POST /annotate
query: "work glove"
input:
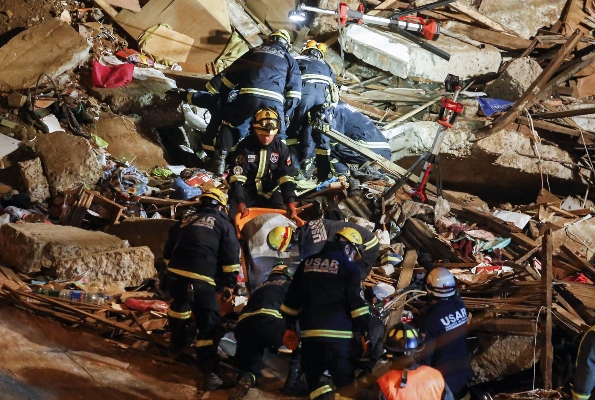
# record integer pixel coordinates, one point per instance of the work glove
(226, 294)
(242, 210)
(291, 339)
(291, 211)
(180, 93)
(365, 346)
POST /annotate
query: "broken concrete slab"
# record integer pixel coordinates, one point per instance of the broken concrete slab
(144, 98)
(502, 355)
(30, 247)
(79, 168)
(126, 141)
(144, 232)
(515, 80)
(502, 166)
(324, 24)
(127, 265)
(392, 53)
(578, 237)
(23, 61)
(515, 14)
(34, 179)
(8, 145)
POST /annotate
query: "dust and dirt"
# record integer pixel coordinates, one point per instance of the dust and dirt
(18, 15)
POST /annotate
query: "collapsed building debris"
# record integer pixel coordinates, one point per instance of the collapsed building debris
(526, 125)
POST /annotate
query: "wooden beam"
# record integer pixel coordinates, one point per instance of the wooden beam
(529, 97)
(564, 114)
(482, 19)
(111, 11)
(554, 127)
(407, 269)
(500, 40)
(547, 354)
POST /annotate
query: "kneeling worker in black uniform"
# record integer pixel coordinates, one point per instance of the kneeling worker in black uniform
(325, 294)
(204, 256)
(260, 326)
(263, 171)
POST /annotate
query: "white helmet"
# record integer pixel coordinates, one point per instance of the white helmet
(441, 283)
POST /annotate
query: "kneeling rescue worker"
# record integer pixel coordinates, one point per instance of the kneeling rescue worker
(325, 294)
(406, 379)
(204, 257)
(260, 326)
(263, 171)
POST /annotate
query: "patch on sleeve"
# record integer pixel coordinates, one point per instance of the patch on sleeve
(274, 157)
(288, 160)
(240, 159)
(237, 170)
(251, 157)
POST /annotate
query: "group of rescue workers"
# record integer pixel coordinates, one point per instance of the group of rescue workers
(317, 311)
(296, 93)
(262, 111)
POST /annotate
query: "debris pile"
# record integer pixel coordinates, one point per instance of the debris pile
(98, 160)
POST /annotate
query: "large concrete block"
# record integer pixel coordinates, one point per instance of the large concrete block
(51, 47)
(128, 265)
(323, 23)
(523, 17)
(502, 167)
(501, 356)
(29, 247)
(144, 232)
(34, 179)
(126, 141)
(579, 237)
(517, 78)
(394, 54)
(68, 161)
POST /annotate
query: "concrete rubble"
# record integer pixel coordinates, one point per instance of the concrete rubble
(85, 211)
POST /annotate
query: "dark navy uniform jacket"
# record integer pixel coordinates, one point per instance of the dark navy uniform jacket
(261, 170)
(314, 235)
(267, 298)
(325, 295)
(204, 246)
(445, 328)
(267, 71)
(583, 381)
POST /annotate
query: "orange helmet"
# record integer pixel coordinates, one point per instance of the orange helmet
(312, 47)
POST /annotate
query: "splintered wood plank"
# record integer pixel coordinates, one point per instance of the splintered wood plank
(407, 269)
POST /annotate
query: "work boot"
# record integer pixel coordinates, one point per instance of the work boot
(218, 165)
(295, 384)
(211, 382)
(246, 381)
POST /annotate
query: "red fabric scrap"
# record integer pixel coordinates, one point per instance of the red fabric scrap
(111, 77)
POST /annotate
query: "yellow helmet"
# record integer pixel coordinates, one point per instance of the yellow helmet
(216, 195)
(278, 238)
(353, 237)
(315, 48)
(266, 122)
(281, 36)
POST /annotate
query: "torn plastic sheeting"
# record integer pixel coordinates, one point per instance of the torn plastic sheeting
(111, 77)
(491, 106)
(184, 191)
(196, 119)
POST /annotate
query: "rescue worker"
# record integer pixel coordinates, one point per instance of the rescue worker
(260, 327)
(266, 77)
(263, 171)
(325, 295)
(583, 379)
(445, 330)
(203, 253)
(313, 236)
(353, 124)
(407, 379)
(317, 75)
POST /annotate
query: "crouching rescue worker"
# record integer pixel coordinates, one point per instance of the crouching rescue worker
(445, 330)
(407, 379)
(263, 171)
(260, 327)
(325, 295)
(313, 236)
(203, 253)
